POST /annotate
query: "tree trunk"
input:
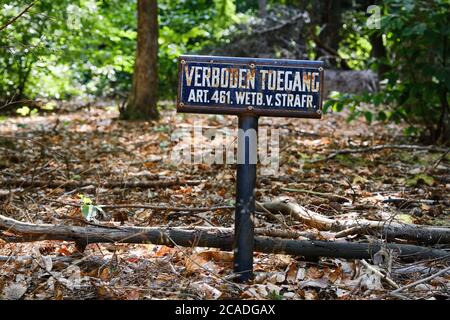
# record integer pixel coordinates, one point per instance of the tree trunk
(262, 4)
(142, 102)
(379, 51)
(331, 21)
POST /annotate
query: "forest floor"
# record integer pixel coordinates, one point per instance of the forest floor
(92, 147)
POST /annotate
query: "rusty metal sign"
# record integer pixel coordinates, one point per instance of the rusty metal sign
(248, 88)
(259, 87)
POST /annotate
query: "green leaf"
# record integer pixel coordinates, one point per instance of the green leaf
(23, 111)
(405, 218)
(359, 180)
(368, 115)
(90, 211)
(273, 295)
(420, 178)
(49, 106)
(230, 202)
(84, 199)
(381, 116)
(86, 211)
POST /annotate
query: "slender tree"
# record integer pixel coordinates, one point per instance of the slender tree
(379, 51)
(329, 37)
(141, 103)
(262, 6)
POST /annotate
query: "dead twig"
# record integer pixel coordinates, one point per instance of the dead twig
(381, 274)
(24, 101)
(389, 229)
(330, 196)
(146, 206)
(415, 283)
(404, 201)
(11, 21)
(350, 231)
(83, 221)
(54, 184)
(84, 262)
(273, 216)
(441, 158)
(378, 148)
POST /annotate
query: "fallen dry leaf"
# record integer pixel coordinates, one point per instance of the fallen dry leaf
(291, 272)
(14, 291)
(315, 283)
(163, 250)
(208, 291)
(314, 272)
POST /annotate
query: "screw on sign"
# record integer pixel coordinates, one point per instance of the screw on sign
(249, 88)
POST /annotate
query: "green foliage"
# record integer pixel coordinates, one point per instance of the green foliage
(84, 199)
(185, 28)
(355, 46)
(420, 178)
(416, 89)
(25, 111)
(351, 161)
(88, 210)
(362, 105)
(273, 295)
(63, 48)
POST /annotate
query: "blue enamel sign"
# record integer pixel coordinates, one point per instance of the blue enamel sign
(263, 87)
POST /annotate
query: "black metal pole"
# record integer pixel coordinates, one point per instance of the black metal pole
(245, 197)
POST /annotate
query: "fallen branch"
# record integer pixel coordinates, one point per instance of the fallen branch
(443, 271)
(414, 268)
(147, 206)
(282, 25)
(84, 262)
(331, 196)
(23, 101)
(185, 237)
(377, 148)
(268, 232)
(388, 229)
(107, 184)
(402, 201)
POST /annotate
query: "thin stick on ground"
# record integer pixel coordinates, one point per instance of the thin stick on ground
(147, 206)
(378, 148)
(437, 274)
(273, 216)
(107, 184)
(330, 196)
(378, 272)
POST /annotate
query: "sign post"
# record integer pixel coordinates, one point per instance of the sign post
(245, 199)
(249, 88)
